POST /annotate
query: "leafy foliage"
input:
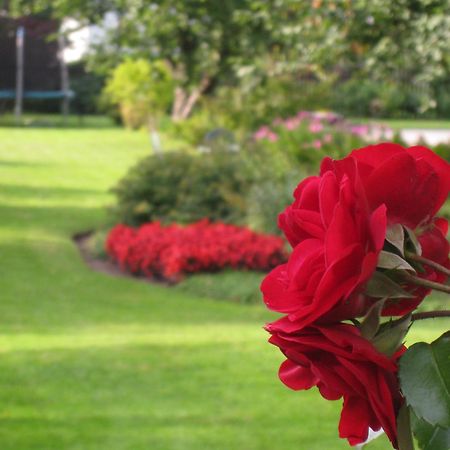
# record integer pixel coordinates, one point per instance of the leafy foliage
(267, 199)
(307, 137)
(181, 187)
(428, 436)
(424, 376)
(424, 379)
(141, 89)
(375, 44)
(403, 41)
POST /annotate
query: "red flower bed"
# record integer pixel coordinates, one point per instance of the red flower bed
(170, 251)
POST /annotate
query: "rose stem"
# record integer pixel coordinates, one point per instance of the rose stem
(430, 315)
(429, 263)
(426, 283)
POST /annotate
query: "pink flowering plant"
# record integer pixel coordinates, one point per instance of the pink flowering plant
(307, 137)
(368, 247)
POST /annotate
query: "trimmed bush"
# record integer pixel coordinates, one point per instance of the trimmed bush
(183, 188)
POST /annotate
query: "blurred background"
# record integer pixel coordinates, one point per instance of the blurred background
(135, 111)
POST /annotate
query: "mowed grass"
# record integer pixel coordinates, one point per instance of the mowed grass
(92, 362)
(401, 124)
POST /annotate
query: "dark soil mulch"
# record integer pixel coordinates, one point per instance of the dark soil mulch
(104, 265)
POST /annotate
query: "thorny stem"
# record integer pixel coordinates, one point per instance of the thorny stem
(428, 262)
(430, 315)
(426, 283)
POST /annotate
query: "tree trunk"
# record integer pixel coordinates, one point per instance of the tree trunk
(155, 139)
(179, 99)
(184, 101)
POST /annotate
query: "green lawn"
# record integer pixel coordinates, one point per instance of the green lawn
(94, 362)
(56, 120)
(399, 124)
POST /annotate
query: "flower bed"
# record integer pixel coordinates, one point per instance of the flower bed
(168, 252)
(309, 136)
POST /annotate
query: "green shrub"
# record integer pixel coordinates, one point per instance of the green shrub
(215, 187)
(194, 128)
(267, 199)
(368, 98)
(443, 150)
(149, 190)
(86, 87)
(442, 95)
(183, 188)
(304, 139)
(245, 109)
(140, 89)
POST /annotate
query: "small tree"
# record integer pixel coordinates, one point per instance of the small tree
(142, 91)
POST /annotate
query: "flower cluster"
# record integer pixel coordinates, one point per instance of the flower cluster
(170, 251)
(366, 243)
(318, 129)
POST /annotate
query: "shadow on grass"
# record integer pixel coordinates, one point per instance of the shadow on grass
(22, 191)
(57, 121)
(13, 163)
(46, 288)
(57, 219)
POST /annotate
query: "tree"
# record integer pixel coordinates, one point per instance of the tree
(141, 90)
(206, 43)
(405, 42)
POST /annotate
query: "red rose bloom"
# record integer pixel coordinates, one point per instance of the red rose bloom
(337, 241)
(412, 183)
(341, 363)
(337, 227)
(435, 247)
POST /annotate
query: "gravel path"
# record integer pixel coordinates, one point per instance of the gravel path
(431, 136)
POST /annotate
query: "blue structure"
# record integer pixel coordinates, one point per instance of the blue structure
(31, 64)
(36, 95)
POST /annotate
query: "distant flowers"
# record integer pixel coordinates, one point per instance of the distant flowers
(265, 133)
(358, 230)
(315, 126)
(168, 252)
(316, 131)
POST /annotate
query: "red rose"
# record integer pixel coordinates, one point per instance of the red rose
(435, 247)
(319, 283)
(337, 242)
(413, 182)
(341, 363)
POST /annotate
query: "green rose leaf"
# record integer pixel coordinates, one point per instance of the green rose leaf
(430, 437)
(425, 380)
(395, 235)
(388, 260)
(381, 286)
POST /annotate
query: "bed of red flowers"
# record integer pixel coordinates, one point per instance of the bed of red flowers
(168, 252)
